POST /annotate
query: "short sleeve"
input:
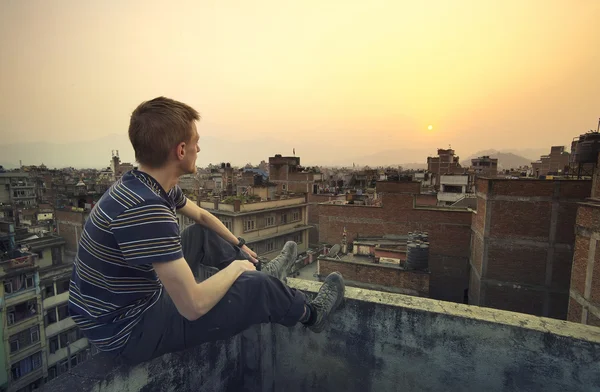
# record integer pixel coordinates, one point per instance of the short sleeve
(178, 197)
(147, 234)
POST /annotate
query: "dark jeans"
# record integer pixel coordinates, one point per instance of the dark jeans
(254, 298)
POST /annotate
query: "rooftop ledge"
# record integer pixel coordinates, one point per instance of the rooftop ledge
(376, 342)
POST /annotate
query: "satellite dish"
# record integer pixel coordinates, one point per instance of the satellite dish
(333, 252)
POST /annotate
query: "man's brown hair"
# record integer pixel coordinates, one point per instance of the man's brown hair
(158, 125)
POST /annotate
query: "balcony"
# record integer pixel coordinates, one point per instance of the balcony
(376, 342)
(450, 197)
(27, 260)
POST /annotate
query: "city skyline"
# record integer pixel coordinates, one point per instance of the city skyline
(341, 81)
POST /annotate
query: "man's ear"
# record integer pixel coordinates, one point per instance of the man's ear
(180, 150)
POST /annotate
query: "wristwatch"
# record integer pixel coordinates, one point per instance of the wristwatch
(241, 242)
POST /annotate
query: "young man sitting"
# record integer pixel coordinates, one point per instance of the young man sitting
(133, 289)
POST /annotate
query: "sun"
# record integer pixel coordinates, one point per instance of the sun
(430, 127)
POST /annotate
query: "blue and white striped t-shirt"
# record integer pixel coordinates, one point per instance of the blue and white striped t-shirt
(113, 282)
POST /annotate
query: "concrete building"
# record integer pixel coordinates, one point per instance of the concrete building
(453, 187)
(556, 163)
(484, 166)
(375, 342)
(23, 363)
(265, 225)
(584, 295)
(523, 240)
(17, 189)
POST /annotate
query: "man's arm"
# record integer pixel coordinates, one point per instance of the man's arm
(205, 218)
(193, 300)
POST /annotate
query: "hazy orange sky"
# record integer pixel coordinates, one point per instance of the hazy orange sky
(363, 74)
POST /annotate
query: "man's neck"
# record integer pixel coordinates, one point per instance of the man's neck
(166, 177)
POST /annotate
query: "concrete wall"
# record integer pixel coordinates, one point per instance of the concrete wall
(391, 342)
(212, 367)
(376, 342)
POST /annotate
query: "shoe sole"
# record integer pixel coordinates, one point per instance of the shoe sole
(338, 302)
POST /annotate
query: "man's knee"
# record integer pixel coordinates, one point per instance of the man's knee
(193, 231)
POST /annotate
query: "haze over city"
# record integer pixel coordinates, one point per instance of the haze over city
(339, 81)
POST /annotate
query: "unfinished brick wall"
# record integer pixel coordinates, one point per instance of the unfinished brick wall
(416, 282)
(584, 295)
(313, 213)
(69, 226)
(523, 242)
(449, 233)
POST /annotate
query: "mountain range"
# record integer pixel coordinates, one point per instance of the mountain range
(506, 159)
(97, 153)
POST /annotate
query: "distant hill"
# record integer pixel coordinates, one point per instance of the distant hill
(506, 160)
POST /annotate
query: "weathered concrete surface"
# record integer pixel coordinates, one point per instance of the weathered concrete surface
(376, 342)
(416, 344)
(212, 367)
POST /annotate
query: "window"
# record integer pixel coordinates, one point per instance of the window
(21, 311)
(51, 317)
(26, 366)
(35, 334)
(298, 238)
(63, 366)
(14, 346)
(295, 216)
(63, 311)
(18, 283)
(270, 246)
(54, 344)
(73, 335)
(11, 318)
(284, 218)
(249, 224)
(52, 372)
(36, 361)
(227, 222)
(62, 286)
(270, 221)
(284, 187)
(49, 291)
(63, 339)
(40, 255)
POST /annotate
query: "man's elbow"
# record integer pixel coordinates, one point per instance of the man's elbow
(193, 312)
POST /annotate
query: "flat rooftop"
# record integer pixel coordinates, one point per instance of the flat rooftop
(375, 342)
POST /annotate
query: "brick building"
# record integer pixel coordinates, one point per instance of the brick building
(377, 264)
(445, 163)
(555, 163)
(449, 231)
(289, 176)
(313, 212)
(69, 225)
(484, 166)
(584, 301)
(522, 247)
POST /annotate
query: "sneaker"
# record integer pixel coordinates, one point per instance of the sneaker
(328, 299)
(278, 267)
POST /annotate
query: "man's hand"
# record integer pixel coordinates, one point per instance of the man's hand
(251, 253)
(243, 265)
